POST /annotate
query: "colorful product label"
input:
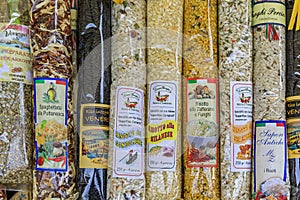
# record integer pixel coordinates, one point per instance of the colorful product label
(162, 126)
(241, 125)
(202, 122)
(268, 12)
(128, 160)
(270, 160)
(94, 128)
(51, 130)
(293, 126)
(15, 58)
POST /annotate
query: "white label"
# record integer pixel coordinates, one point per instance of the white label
(270, 159)
(162, 126)
(128, 160)
(241, 125)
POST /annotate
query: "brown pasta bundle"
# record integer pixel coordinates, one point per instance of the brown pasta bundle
(51, 45)
(201, 124)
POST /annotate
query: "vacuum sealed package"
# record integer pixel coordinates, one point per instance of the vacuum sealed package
(93, 78)
(269, 143)
(164, 67)
(51, 45)
(293, 93)
(126, 179)
(235, 76)
(201, 101)
(16, 139)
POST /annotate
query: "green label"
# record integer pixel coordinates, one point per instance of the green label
(268, 13)
(94, 129)
(51, 131)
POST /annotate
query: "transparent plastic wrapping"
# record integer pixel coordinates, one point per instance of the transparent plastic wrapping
(94, 79)
(235, 73)
(126, 178)
(164, 68)
(16, 140)
(200, 111)
(51, 45)
(293, 93)
(269, 113)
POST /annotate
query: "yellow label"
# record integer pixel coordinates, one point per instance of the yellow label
(268, 13)
(73, 19)
(293, 126)
(156, 133)
(94, 136)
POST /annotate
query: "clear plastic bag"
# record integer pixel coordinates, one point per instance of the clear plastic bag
(94, 79)
(269, 113)
(235, 72)
(16, 146)
(200, 112)
(164, 68)
(126, 178)
(55, 141)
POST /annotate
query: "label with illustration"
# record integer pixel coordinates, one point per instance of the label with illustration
(15, 65)
(268, 12)
(202, 122)
(162, 126)
(293, 126)
(270, 160)
(128, 159)
(93, 144)
(241, 125)
(50, 116)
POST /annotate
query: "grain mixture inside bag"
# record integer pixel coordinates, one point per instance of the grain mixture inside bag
(269, 100)
(164, 66)
(51, 44)
(94, 79)
(16, 140)
(235, 72)
(201, 124)
(126, 178)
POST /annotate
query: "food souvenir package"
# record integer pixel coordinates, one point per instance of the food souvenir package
(126, 158)
(201, 101)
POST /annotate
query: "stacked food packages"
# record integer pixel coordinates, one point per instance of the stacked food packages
(156, 99)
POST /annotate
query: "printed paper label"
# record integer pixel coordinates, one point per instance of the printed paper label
(128, 160)
(162, 126)
(241, 125)
(268, 12)
(293, 126)
(202, 122)
(50, 116)
(15, 58)
(94, 127)
(270, 160)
